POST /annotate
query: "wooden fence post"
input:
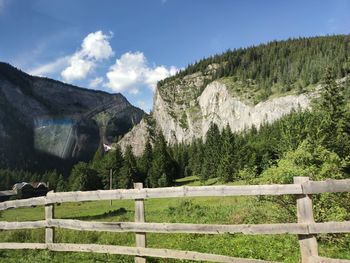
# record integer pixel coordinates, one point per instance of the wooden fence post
(140, 217)
(49, 231)
(308, 243)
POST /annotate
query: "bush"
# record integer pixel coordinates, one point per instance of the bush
(318, 163)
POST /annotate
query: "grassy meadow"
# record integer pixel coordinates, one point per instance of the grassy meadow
(228, 210)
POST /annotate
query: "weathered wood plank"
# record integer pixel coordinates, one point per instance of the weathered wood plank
(30, 202)
(310, 187)
(308, 243)
(258, 229)
(329, 260)
(289, 228)
(330, 227)
(170, 192)
(7, 193)
(150, 252)
(140, 218)
(329, 186)
(131, 251)
(23, 246)
(49, 231)
(22, 225)
(146, 193)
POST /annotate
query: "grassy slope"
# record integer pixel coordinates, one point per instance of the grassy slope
(229, 210)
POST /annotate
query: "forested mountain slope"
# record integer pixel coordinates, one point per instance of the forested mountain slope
(244, 87)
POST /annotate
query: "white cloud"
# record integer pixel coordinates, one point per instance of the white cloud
(131, 71)
(94, 48)
(79, 68)
(51, 67)
(126, 72)
(94, 83)
(152, 76)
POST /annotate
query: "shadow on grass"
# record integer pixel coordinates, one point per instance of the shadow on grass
(181, 183)
(111, 213)
(197, 182)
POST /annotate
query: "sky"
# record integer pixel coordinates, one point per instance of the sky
(127, 46)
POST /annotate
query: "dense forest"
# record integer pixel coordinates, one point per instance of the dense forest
(278, 66)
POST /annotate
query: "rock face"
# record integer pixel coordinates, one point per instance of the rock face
(59, 119)
(217, 105)
(137, 138)
(182, 121)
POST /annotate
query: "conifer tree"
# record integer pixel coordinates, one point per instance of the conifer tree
(335, 124)
(211, 153)
(196, 157)
(145, 162)
(117, 165)
(332, 100)
(226, 168)
(61, 185)
(104, 163)
(128, 173)
(162, 172)
(84, 178)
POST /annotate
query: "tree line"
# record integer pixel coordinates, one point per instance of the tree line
(292, 64)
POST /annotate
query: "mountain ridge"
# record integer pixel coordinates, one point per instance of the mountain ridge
(40, 112)
(291, 68)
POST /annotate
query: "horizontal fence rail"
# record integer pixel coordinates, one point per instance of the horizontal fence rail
(131, 251)
(166, 228)
(306, 228)
(329, 186)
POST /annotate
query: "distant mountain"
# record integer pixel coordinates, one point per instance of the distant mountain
(47, 124)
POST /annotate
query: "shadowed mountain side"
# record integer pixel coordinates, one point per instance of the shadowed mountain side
(42, 118)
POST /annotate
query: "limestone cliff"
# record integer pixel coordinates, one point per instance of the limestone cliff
(217, 105)
(181, 118)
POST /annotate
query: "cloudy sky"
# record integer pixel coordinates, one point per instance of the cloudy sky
(128, 45)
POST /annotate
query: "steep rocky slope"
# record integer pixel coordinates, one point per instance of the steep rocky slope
(184, 121)
(243, 87)
(217, 105)
(57, 119)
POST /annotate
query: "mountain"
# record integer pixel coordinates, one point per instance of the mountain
(44, 122)
(242, 88)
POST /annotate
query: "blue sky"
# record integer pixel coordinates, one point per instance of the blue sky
(128, 45)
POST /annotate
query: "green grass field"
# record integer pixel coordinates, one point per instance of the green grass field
(228, 210)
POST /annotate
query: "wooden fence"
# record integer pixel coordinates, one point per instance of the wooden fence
(306, 228)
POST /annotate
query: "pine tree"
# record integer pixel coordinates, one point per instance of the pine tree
(84, 178)
(117, 165)
(335, 124)
(332, 100)
(212, 154)
(61, 184)
(162, 172)
(103, 163)
(128, 173)
(226, 169)
(145, 162)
